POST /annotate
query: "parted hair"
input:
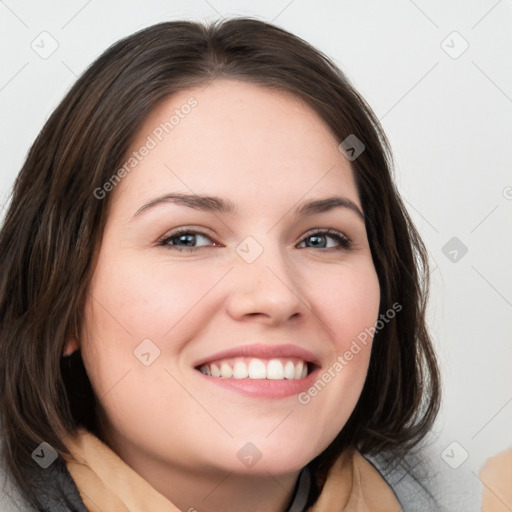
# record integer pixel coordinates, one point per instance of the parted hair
(53, 228)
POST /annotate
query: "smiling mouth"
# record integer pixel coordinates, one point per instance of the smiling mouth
(252, 368)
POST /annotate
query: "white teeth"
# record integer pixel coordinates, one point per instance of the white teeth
(257, 369)
(225, 371)
(273, 369)
(240, 370)
(298, 369)
(289, 370)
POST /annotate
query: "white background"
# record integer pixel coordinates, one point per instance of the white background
(449, 122)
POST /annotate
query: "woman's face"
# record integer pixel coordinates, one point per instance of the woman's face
(245, 283)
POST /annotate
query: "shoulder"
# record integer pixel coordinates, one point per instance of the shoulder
(409, 479)
(10, 497)
(421, 484)
(58, 491)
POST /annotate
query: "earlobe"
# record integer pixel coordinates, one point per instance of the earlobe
(70, 347)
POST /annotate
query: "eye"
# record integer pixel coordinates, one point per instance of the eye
(320, 240)
(186, 240)
(190, 240)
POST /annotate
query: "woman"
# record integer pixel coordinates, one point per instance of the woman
(212, 297)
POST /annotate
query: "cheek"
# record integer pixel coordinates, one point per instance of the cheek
(348, 308)
(133, 301)
(348, 304)
(147, 301)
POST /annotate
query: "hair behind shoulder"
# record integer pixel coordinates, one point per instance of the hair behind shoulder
(55, 221)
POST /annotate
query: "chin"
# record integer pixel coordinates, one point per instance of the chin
(275, 465)
(266, 456)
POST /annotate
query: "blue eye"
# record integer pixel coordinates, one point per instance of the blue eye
(319, 239)
(185, 240)
(189, 240)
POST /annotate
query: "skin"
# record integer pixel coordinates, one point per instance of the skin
(496, 476)
(266, 151)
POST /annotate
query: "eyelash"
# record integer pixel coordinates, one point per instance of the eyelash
(345, 244)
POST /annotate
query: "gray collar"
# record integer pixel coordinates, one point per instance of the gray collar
(302, 490)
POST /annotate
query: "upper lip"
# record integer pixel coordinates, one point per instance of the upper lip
(263, 351)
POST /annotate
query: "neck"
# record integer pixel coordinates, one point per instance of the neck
(225, 492)
(191, 489)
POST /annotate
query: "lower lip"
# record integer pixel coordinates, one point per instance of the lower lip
(264, 388)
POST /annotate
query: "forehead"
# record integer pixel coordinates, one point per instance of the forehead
(233, 138)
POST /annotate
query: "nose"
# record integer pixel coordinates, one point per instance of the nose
(268, 289)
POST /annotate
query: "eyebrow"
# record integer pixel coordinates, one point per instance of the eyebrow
(215, 204)
(204, 203)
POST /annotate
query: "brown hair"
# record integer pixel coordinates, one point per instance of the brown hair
(53, 229)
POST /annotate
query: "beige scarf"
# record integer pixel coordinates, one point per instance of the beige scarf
(106, 483)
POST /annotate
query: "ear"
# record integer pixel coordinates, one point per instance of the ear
(70, 347)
